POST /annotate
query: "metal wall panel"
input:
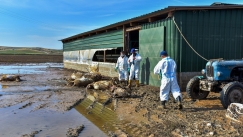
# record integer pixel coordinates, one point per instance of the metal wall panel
(171, 35)
(151, 42)
(171, 44)
(112, 39)
(212, 33)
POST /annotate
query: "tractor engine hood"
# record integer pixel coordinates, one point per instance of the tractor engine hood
(220, 70)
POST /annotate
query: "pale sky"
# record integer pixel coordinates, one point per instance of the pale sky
(41, 23)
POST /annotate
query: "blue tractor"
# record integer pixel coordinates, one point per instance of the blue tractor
(222, 76)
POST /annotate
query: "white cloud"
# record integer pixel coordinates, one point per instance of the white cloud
(183, 2)
(105, 15)
(72, 13)
(97, 3)
(51, 29)
(80, 27)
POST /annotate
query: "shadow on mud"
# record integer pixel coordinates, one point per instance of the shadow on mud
(216, 107)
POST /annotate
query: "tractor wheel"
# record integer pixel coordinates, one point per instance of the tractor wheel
(231, 93)
(193, 90)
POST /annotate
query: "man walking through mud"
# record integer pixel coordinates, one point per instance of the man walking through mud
(122, 66)
(166, 68)
(134, 62)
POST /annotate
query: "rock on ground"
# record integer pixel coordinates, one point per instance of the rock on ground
(74, 132)
(118, 133)
(32, 134)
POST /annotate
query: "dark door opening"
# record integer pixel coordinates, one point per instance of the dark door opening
(133, 40)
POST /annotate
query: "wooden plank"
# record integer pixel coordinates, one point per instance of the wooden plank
(134, 28)
(104, 55)
(125, 48)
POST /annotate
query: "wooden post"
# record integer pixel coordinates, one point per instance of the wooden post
(124, 39)
(104, 55)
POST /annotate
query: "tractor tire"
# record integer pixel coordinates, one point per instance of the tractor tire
(231, 93)
(193, 90)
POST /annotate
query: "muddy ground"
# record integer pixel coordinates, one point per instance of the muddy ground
(197, 118)
(7, 59)
(46, 90)
(143, 113)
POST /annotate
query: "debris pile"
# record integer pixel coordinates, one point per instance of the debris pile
(102, 88)
(235, 112)
(74, 132)
(94, 68)
(83, 79)
(10, 78)
(118, 133)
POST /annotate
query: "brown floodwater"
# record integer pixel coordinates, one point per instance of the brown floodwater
(105, 118)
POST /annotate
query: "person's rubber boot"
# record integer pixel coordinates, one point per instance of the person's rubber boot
(163, 104)
(129, 84)
(126, 83)
(137, 83)
(121, 81)
(179, 102)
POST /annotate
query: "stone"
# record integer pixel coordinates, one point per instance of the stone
(211, 133)
(209, 124)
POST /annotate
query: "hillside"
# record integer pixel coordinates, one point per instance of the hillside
(4, 50)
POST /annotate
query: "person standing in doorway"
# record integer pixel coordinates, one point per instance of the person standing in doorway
(134, 67)
(121, 66)
(166, 68)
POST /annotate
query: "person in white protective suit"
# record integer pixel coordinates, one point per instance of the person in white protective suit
(166, 68)
(121, 66)
(134, 67)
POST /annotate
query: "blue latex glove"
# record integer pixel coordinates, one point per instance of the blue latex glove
(128, 69)
(116, 68)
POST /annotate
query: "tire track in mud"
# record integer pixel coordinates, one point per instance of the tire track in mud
(52, 100)
(11, 100)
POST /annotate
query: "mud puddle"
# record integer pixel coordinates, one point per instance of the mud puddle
(28, 68)
(2, 87)
(18, 122)
(12, 88)
(41, 103)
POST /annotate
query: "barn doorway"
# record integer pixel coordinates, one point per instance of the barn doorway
(132, 40)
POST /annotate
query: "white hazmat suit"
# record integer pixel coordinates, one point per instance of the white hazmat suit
(122, 65)
(167, 68)
(135, 66)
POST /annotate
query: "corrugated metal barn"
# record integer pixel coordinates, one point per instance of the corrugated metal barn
(214, 31)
